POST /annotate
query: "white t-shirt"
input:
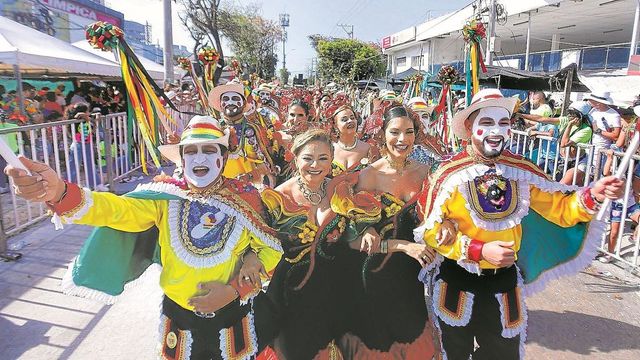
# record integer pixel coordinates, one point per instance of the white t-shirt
(606, 121)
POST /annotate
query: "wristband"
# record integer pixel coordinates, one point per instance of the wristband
(587, 201)
(474, 252)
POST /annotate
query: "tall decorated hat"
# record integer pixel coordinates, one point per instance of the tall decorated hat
(200, 130)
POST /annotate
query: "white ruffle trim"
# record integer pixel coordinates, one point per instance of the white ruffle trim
(472, 172)
(466, 311)
(87, 198)
(186, 353)
(166, 188)
(253, 339)
(69, 287)
(241, 222)
(595, 233)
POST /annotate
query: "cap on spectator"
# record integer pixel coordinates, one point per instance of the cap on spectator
(603, 97)
(581, 106)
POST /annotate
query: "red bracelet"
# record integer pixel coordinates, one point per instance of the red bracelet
(475, 250)
(588, 200)
(71, 200)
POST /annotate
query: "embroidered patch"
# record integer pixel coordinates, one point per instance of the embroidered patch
(239, 341)
(512, 313)
(175, 344)
(493, 197)
(204, 229)
(452, 305)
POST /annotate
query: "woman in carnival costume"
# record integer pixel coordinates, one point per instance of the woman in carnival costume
(391, 319)
(515, 229)
(198, 229)
(308, 287)
(350, 154)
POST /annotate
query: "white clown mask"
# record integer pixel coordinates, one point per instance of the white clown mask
(265, 96)
(492, 136)
(231, 98)
(203, 167)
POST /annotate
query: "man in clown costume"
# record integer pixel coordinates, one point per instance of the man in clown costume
(199, 229)
(251, 145)
(516, 230)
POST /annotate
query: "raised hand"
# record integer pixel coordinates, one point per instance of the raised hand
(216, 296)
(42, 185)
(609, 187)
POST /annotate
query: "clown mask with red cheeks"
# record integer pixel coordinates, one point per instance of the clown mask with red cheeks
(490, 131)
(202, 164)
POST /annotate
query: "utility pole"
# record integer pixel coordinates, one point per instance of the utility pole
(492, 32)
(348, 29)
(168, 42)
(284, 22)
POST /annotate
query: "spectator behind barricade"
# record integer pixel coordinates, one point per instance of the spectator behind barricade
(32, 112)
(97, 102)
(59, 91)
(51, 110)
(633, 208)
(78, 97)
(81, 145)
(573, 129)
(606, 122)
(3, 92)
(12, 140)
(540, 108)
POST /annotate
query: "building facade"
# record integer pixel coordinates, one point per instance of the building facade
(537, 35)
(63, 19)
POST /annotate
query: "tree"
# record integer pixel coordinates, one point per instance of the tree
(251, 37)
(284, 76)
(347, 59)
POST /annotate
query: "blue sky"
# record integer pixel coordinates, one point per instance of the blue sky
(372, 20)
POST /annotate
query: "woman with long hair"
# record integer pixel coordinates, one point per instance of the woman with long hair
(391, 318)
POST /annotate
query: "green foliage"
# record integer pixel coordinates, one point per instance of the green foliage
(347, 59)
(284, 76)
(252, 38)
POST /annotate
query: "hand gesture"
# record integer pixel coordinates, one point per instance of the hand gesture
(499, 253)
(609, 187)
(251, 271)
(215, 296)
(423, 253)
(370, 241)
(447, 233)
(42, 185)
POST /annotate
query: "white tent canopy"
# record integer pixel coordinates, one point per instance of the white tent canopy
(155, 70)
(37, 53)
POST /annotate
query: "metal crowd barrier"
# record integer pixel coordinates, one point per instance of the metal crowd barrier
(587, 165)
(93, 153)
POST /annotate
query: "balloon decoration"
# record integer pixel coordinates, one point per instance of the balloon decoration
(473, 32)
(144, 105)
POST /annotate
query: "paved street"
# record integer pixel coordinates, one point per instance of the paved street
(593, 315)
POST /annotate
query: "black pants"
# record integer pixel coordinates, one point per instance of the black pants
(188, 336)
(485, 323)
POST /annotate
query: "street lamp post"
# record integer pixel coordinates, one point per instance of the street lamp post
(284, 22)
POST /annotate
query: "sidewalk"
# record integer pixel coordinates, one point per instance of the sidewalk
(593, 315)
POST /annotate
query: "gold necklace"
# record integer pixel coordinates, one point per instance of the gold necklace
(397, 165)
(313, 197)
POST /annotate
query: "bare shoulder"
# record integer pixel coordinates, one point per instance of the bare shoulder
(368, 178)
(285, 187)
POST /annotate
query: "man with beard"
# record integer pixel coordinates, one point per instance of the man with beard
(199, 229)
(516, 230)
(251, 152)
(267, 108)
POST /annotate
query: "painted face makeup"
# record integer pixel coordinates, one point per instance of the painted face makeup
(202, 164)
(265, 96)
(232, 103)
(491, 129)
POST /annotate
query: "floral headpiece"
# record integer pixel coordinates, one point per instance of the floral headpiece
(103, 36)
(337, 104)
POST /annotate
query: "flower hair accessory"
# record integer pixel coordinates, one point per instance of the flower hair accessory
(185, 63)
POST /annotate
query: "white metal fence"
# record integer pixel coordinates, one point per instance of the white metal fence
(581, 165)
(93, 153)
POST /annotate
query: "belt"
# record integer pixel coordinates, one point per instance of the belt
(491, 272)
